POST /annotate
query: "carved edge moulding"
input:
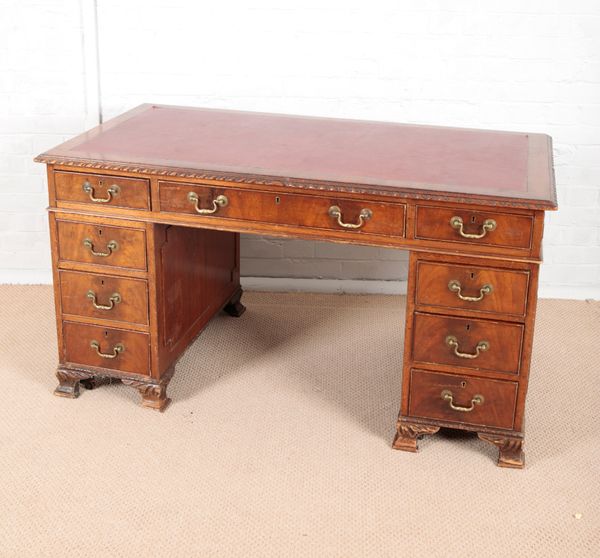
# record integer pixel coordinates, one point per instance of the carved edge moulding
(412, 190)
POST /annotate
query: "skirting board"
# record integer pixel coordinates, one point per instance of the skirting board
(361, 286)
(337, 286)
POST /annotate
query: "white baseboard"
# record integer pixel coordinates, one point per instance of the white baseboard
(25, 277)
(356, 286)
(334, 286)
(337, 286)
(569, 292)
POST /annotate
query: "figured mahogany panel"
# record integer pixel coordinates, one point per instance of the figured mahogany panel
(431, 345)
(102, 191)
(129, 251)
(198, 273)
(134, 357)
(285, 209)
(475, 288)
(511, 230)
(104, 297)
(479, 401)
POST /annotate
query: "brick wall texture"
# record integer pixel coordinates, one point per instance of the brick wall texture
(523, 65)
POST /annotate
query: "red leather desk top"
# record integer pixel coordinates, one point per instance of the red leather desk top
(380, 156)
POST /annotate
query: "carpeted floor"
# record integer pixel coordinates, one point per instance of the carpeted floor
(277, 443)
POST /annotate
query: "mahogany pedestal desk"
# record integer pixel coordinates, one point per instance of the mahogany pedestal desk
(145, 215)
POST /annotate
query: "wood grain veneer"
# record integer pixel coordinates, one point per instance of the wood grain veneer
(507, 288)
(496, 410)
(92, 296)
(504, 342)
(102, 190)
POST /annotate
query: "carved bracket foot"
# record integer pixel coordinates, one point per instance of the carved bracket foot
(68, 383)
(510, 450)
(234, 307)
(154, 395)
(407, 434)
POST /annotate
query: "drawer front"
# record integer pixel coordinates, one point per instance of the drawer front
(103, 190)
(470, 287)
(104, 297)
(99, 244)
(354, 217)
(462, 399)
(467, 343)
(460, 225)
(126, 351)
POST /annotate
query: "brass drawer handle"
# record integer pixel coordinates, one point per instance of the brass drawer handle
(117, 350)
(455, 287)
(452, 342)
(336, 213)
(115, 298)
(476, 400)
(111, 247)
(110, 192)
(488, 226)
(220, 201)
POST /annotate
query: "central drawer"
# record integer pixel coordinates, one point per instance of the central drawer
(467, 343)
(319, 212)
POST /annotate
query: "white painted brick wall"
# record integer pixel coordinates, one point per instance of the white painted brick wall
(524, 65)
(42, 103)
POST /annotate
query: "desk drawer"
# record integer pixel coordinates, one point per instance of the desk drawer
(126, 351)
(471, 287)
(467, 343)
(102, 190)
(481, 228)
(99, 244)
(104, 297)
(462, 399)
(334, 213)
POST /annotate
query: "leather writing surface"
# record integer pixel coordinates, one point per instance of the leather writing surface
(346, 151)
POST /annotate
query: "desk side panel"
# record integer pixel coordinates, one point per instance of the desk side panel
(196, 273)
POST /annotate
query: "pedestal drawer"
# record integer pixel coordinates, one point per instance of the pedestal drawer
(462, 399)
(472, 287)
(467, 343)
(103, 245)
(126, 351)
(104, 297)
(102, 190)
(482, 228)
(334, 213)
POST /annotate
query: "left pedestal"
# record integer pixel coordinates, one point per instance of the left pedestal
(131, 295)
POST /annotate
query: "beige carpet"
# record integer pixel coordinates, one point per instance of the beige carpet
(277, 443)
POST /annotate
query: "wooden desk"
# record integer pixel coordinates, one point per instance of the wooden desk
(145, 216)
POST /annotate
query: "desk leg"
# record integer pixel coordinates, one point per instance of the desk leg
(234, 307)
(154, 394)
(510, 449)
(407, 434)
(68, 384)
